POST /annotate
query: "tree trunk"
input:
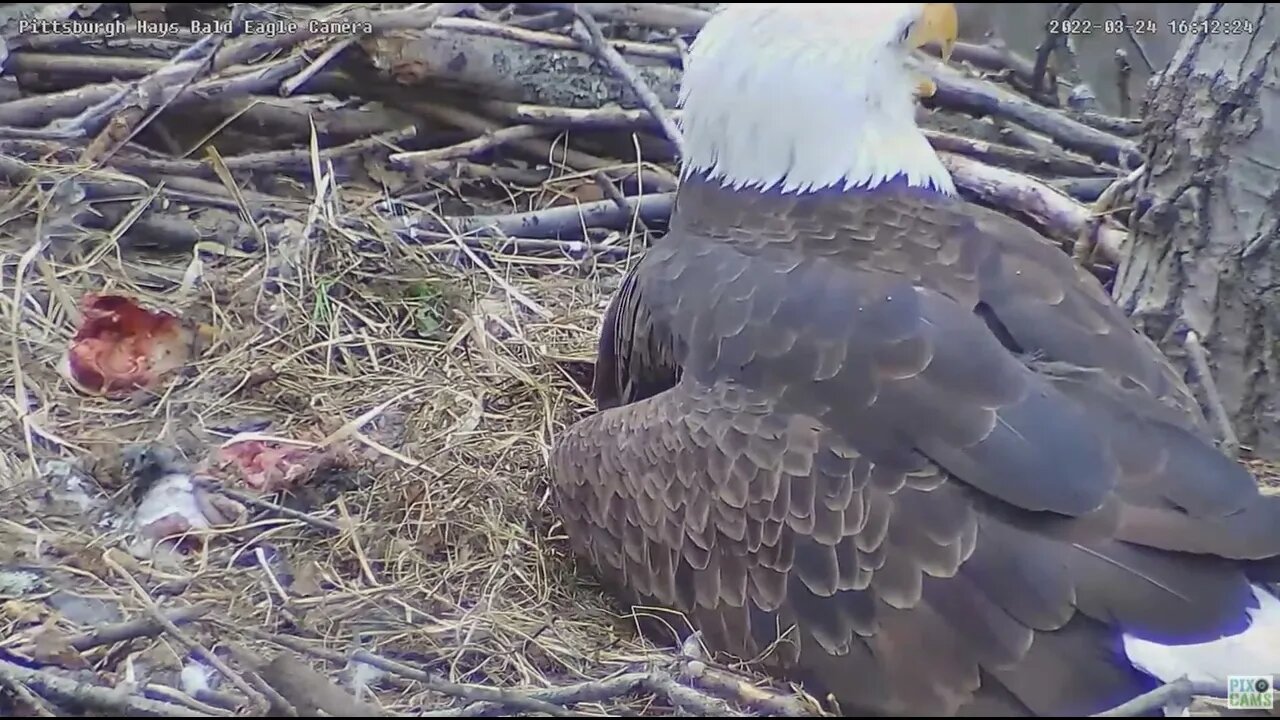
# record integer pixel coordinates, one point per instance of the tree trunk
(1204, 254)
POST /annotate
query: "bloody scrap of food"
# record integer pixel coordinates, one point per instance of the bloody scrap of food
(269, 466)
(121, 347)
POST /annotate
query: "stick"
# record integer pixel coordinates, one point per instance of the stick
(615, 195)
(142, 627)
(551, 41)
(488, 141)
(1122, 126)
(1200, 359)
(1065, 11)
(514, 71)
(467, 692)
(537, 67)
(663, 15)
(300, 158)
(1124, 71)
(260, 44)
(565, 220)
(592, 37)
(45, 109)
(1083, 250)
(538, 149)
(281, 510)
(232, 676)
(66, 690)
(1180, 691)
(1057, 215)
(476, 171)
(104, 68)
(179, 69)
(616, 117)
(993, 58)
(20, 691)
(978, 98)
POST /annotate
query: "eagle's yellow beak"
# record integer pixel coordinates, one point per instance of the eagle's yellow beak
(938, 24)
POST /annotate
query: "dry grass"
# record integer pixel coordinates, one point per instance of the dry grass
(438, 384)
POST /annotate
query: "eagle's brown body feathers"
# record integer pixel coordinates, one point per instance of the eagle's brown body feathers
(903, 450)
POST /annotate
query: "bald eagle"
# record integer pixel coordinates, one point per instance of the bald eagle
(886, 443)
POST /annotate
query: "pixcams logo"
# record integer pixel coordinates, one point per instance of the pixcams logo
(1250, 692)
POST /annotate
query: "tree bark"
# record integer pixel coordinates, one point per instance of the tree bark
(1204, 254)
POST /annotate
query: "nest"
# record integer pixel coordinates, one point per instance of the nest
(388, 242)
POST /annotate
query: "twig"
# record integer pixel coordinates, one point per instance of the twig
(975, 97)
(1133, 37)
(20, 691)
(259, 502)
(232, 676)
(1200, 359)
(591, 691)
(548, 40)
(1050, 43)
(1057, 215)
(260, 44)
(180, 67)
(290, 86)
(549, 223)
(1124, 72)
(476, 171)
(66, 690)
(300, 158)
(615, 195)
(993, 58)
(1084, 247)
(592, 37)
(184, 700)
(43, 109)
(537, 148)
(616, 117)
(470, 148)
(663, 15)
(724, 684)
(142, 627)
(1180, 692)
(473, 693)
(1121, 126)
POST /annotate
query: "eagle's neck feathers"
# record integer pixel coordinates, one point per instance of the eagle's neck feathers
(762, 109)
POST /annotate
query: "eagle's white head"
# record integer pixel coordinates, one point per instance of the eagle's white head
(799, 97)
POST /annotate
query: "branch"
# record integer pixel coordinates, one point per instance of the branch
(142, 627)
(591, 36)
(1179, 692)
(1056, 215)
(488, 141)
(499, 68)
(975, 97)
(1218, 411)
(683, 19)
(621, 118)
(73, 692)
(556, 222)
(1050, 43)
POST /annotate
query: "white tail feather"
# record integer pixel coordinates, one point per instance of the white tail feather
(1256, 651)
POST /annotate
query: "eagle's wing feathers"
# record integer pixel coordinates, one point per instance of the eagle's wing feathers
(1057, 310)
(783, 542)
(849, 470)
(635, 357)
